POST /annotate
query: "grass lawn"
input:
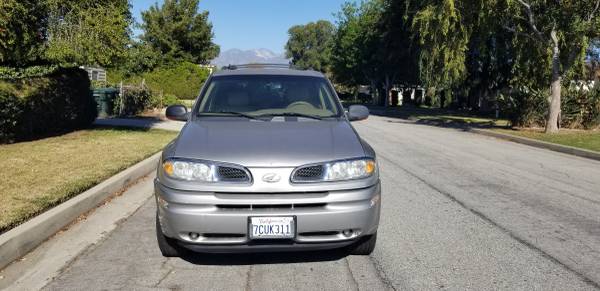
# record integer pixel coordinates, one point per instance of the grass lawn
(585, 139)
(36, 175)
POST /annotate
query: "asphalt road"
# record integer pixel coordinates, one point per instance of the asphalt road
(460, 211)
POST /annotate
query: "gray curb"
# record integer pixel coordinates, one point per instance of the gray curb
(540, 144)
(20, 240)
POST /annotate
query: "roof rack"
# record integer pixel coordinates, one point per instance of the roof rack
(259, 65)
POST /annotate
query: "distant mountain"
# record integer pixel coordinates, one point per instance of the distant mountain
(237, 56)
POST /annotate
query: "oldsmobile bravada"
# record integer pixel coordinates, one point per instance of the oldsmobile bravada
(267, 161)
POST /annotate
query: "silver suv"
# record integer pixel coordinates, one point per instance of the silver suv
(267, 161)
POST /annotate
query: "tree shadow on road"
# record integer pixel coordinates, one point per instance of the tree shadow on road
(437, 117)
(264, 258)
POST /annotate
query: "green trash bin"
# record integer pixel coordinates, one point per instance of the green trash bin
(105, 100)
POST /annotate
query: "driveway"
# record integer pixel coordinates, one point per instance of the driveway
(460, 211)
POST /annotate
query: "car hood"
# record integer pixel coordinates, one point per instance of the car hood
(253, 143)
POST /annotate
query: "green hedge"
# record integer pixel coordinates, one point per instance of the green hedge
(182, 80)
(28, 72)
(39, 106)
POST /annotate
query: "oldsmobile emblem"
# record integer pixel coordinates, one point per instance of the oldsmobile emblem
(271, 178)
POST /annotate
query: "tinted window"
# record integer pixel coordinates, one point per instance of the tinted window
(269, 94)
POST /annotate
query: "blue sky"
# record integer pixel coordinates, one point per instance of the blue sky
(246, 24)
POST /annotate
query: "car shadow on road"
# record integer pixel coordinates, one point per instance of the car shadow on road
(264, 258)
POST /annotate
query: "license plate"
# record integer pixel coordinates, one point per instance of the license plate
(272, 227)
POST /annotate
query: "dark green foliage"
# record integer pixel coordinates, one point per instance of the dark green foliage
(27, 72)
(60, 32)
(22, 31)
(11, 115)
(140, 58)
(309, 45)
(179, 32)
(39, 106)
(88, 32)
(183, 80)
(356, 44)
(374, 45)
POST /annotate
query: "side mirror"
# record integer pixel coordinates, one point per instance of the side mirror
(177, 112)
(357, 112)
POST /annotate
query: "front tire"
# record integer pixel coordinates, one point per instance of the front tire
(365, 246)
(168, 246)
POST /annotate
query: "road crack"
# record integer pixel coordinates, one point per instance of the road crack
(248, 274)
(170, 271)
(505, 230)
(381, 274)
(351, 274)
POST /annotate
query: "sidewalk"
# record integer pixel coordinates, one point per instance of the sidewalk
(150, 123)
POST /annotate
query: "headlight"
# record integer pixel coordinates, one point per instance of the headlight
(190, 171)
(348, 170)
(335, 171)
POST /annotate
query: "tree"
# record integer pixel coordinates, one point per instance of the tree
(179, 32)
(22, 31)
(373, 45)
(88, 32)
(357, 44)
(309, 46)
(560, 31)
(140, 58)
(443, 36)
(397, 51)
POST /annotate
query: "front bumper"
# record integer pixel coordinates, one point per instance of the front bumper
(221, 219)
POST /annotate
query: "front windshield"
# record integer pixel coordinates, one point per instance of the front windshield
(264, 95)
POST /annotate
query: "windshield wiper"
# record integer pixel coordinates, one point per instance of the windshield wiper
(233, 113)
(292, 114)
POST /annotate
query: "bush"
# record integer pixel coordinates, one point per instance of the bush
(165, 101)
(581, 108)
(39, 106)
(183, 80)
(133, 101)
(528, 108)
(11, 113)
(170, 99)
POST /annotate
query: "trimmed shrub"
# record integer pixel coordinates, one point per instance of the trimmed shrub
(40, 106)
(183, 80)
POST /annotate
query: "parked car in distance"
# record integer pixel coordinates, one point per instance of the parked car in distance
(267, 161)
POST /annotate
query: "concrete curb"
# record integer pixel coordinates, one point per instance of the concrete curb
(540, 144)
(20, 240)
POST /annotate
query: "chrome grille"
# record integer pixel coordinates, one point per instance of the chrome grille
(290, 206)
(230, 174)
(310, 173)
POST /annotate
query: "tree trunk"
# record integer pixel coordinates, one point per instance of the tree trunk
(387, 90)
(373, 92)
(552, 122)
